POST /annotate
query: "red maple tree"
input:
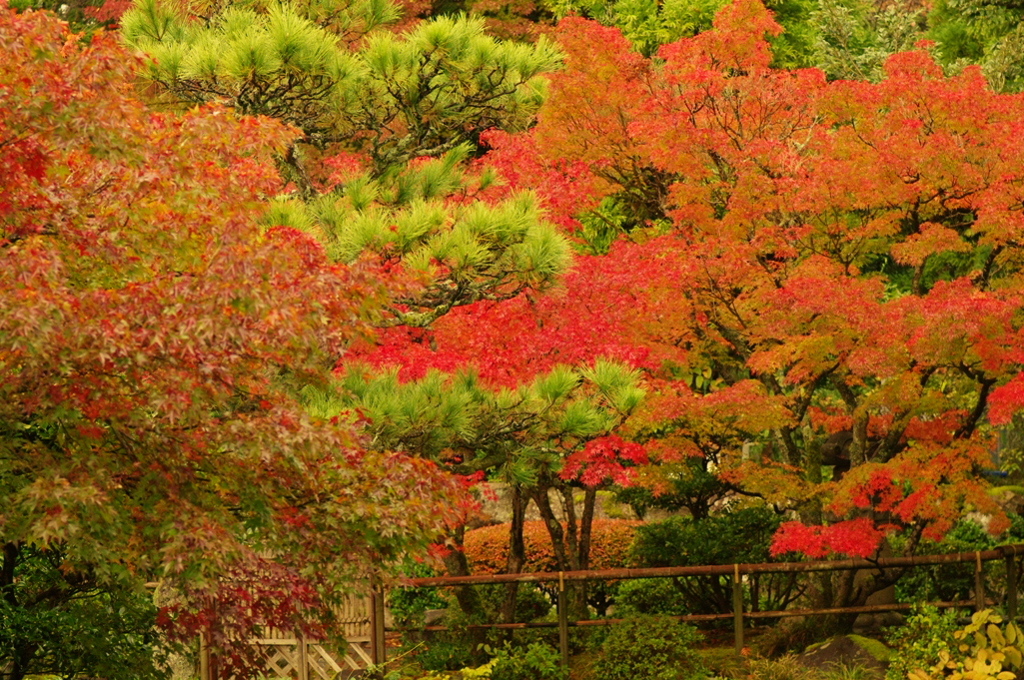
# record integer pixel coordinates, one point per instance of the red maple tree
(152, 340)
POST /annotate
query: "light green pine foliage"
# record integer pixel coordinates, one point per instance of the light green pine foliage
(522, 432)
(427, 93)
(276, 63)
(396, 98)
(443, 84)
(461, 253)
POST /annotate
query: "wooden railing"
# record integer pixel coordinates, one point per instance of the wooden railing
(1008, 553)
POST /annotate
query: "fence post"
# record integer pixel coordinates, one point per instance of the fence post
(737, 607)
(563, 621)
(979, 583)
(303, 658)
(378, 649)
(204, 659)
(1011, 586)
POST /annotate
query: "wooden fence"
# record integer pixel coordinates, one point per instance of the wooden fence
(362, 617)
(1009, 554)
(294, 657)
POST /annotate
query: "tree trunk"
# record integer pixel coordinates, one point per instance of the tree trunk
(516, 552)
(457, 565)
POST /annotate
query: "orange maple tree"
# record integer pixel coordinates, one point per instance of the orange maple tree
(826, 275)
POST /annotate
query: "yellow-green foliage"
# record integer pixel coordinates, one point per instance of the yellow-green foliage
(464, 674)
(986, 650)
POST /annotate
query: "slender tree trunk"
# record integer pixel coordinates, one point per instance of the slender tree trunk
(10, 559)
(457, 565)
(554, 527)
(587, 526)
(516, 552)
(572, 539)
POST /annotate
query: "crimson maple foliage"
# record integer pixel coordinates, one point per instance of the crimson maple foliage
(152, 338)
(603, 461)
(606, 306)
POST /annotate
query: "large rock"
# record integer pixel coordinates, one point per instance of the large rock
(847, 651)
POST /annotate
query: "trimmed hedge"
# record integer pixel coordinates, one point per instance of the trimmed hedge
(487, 548)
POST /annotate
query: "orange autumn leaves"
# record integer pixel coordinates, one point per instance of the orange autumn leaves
(815, 258)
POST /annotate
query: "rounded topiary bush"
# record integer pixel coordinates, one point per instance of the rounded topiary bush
(652, 648)
(487, 547)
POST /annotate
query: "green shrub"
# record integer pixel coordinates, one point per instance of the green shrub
(408, 604)
(649, 596)
(784, 668)
(446, 655)
(651, 648)
(739, 536)
(58, 621)
(919, 642)
(537, 661)
(950, 582)
(531, 602)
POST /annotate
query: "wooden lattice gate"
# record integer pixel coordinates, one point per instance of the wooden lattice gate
(298, 658)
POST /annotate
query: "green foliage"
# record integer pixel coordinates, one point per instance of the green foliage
(853, 38)
(277, 63)
(602, 226)
(462, 254)
(398, 97)
(784, 668)
(654, 648)
(738, 536)
(383, 104)
(649, 596)
(794, 47)
(531, 602)
(537, 661)
(980, 32)
(55, 620)
(647, 24)
(918, 642)
(446, 82)
(442, 414)
(408, 604)
(446, 655)
(948, 582)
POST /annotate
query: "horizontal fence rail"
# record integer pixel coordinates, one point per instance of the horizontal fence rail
(1007, 553)
(716, 569)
